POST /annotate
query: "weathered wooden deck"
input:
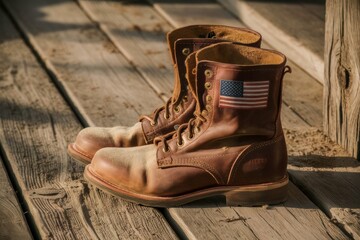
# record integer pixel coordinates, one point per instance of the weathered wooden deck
(68, 64)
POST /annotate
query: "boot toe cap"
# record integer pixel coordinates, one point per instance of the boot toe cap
(91, 139)
(124, 168)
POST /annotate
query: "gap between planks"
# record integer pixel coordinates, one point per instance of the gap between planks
(12, 221)
(313, 148)
(110, 22)
(36, 125)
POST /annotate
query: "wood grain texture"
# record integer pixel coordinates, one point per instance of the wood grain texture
(298, 218)
(342, 74)
(284, 26)
(90, 69)
(201, 225)
(328, 174)
(12, 222)
(36, 125)
(140, 34)
(82, 191)
(302, 94)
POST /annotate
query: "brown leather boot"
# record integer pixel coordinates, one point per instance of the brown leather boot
(234, 146)
(178, 109)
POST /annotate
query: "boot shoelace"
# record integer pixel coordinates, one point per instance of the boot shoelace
(167, 107)
(192, 126)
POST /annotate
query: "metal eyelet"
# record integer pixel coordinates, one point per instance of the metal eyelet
(197, 130)
(208, 108)
(193, 71)
(166, 117)
(186, 51)
(204, 112)
(153, 123)
(208, 98)
(208, 73)
(189, 136)
(177, 109)
(164, 150)
(208, 85)
(180, 145)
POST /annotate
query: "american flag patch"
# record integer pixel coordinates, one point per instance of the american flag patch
(243, 94)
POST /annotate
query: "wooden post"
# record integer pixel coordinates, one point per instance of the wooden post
(342, 74)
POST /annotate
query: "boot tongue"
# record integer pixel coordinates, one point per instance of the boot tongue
(183, 41)
(182, 49)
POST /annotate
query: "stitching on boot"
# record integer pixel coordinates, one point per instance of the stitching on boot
(249, 150)
(191, 161)
(79, 150)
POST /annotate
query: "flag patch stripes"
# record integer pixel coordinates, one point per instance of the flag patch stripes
(243, 94)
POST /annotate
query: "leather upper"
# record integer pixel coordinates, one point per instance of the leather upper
(180, 107)
(191, 38)
(222, 146)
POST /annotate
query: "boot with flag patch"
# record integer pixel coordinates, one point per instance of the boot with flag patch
(234, 146)
(178, 109)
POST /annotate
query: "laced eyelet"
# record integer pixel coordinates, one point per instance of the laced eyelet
(153, 123)
(166, 117)
(185, 99)
(208, 85)
(208, 98)
(186, 51)
(180, 145)
(208, 73)
(208, 108)
(165, 150)
(190, 136)
(177, 109)
(197, 130)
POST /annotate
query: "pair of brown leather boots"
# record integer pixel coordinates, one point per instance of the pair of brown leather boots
(219, 134)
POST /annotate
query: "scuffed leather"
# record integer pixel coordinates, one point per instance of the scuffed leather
(136, 169)
(233, 147)
(91, 139)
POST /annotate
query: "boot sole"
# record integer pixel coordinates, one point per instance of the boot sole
(249, 195)
(77, 155)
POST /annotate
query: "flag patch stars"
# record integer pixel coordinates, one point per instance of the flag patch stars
(243, 94)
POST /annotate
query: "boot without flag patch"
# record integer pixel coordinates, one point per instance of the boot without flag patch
(243, 94)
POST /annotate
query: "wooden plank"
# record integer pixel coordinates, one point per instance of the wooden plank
(303, 95)
(12, 221)
(298, 218)
(342, 74)
(284, 26)
(201, 223)
(327, 173)
(117, 20)
(87, 66)
(36, 125)
(316, 7)
(140, 35)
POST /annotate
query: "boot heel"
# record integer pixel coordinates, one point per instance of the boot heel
(258, 195)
